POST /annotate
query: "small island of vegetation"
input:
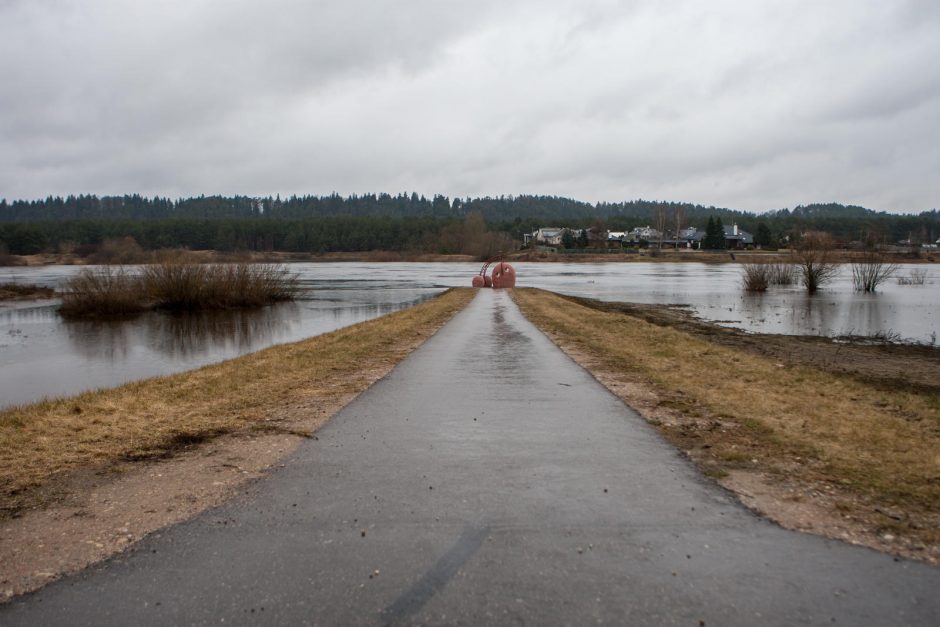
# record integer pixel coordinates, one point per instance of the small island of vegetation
(117, 291)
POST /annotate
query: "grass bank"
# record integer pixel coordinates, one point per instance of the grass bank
(831, 451)
(156, 417)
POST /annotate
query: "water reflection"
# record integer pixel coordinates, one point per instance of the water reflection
(42, 355)
(184, 335)
(866, 316)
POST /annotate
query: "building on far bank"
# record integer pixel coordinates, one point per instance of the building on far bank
(735, 238)
(548, 235)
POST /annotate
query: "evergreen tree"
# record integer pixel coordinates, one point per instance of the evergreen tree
(763, 237)
(720, 243)
(567, 239)
(708, 240)
(714, 235)
(583, 238)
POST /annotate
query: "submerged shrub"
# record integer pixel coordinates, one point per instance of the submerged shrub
(178, 286)
(870, 271)
(813, 256)
(756, 277)
(916, 277)
(105, 291)
(218, 286)
(782, 273)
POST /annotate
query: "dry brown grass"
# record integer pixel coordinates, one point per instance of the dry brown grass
(152, 418)
(731, 410)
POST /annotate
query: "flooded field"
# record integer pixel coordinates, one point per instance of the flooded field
(43, 355)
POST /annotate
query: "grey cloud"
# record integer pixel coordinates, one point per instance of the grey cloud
(756, 105)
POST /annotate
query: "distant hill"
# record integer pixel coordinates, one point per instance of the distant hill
(498, 208)
(378, 221)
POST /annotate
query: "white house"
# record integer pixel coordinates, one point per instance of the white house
(550, 236)
(645, 233)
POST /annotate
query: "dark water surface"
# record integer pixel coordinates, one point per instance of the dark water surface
(42, 355)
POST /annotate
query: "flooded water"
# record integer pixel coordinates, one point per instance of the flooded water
(42, 355)
(714, 292)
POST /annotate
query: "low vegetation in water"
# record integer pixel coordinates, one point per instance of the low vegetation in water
(815, 260)
(106, 291)
(866, 449)
(782, 273)
(252, 394)
(115, 291)
(915, 277)
(756, 277)
(217, 286)
(759, 276)
(871, 270)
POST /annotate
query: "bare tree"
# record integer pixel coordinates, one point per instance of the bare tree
(471, 237)
(679, 216)
(813, 256)
(659, 218)
(598, 233)
(870, 270)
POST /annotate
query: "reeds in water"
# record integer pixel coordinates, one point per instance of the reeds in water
(915, 277)
(756, 277)
(218, 286)
(109, 291)
(105, 291)
(781, 273)
(760, 276)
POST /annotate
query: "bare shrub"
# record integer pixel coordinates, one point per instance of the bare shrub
(470, 237)
(176, 285)
(813, 257)
(125, 250)
(756, 277)
(174, 255)
(782, 273)
(915, 277)
(108, 291)
(103, 291)
(871, 270)
(218, 286)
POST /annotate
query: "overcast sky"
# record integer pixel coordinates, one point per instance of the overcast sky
(746, 104)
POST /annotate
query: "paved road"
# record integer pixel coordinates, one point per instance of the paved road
(497, 483)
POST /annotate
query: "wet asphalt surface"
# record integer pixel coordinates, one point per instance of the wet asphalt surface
(487, 480)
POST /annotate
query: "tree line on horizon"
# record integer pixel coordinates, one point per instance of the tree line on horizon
(403, 222)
